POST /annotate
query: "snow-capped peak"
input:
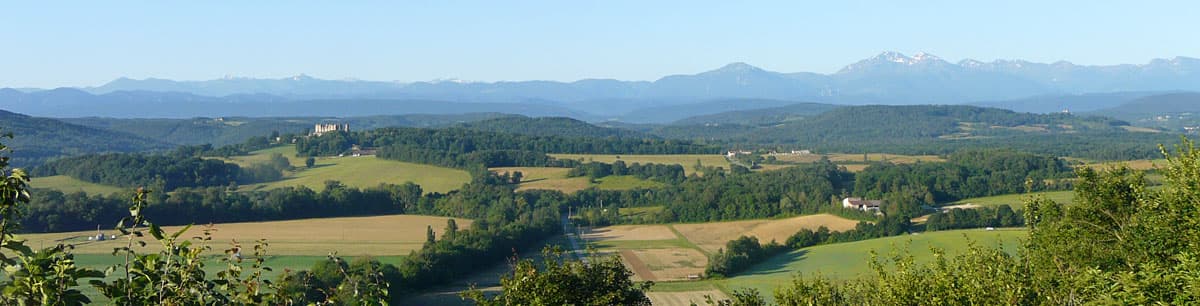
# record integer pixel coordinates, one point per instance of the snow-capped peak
(970, 63)
(893, 56)
(922, 57)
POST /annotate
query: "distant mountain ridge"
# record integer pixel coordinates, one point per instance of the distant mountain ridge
(890, 78)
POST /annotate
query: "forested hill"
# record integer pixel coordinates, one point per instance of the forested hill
(234, 130)
(39, 139)
(1157, 105)
(548, 126)
(940, 129)
(762, 116)
(880, 123)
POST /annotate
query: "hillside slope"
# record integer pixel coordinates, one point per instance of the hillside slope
(39, 139)
(548, 126)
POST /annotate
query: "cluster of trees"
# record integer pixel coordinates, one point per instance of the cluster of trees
(908, 187)
(186, 166)
(657, 172)
(561, 280)
(167, 172)
(1001, 216)
(461, 141)
(740, 254)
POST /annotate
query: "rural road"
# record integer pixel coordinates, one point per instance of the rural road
(573, 239)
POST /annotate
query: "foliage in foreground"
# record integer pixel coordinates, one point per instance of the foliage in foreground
(560, 280)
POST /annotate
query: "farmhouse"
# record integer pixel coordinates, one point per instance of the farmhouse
(801, 152)
(322, 128)
(357, 151)
(735, 153)
(860, 204)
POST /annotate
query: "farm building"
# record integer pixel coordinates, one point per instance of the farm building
(860, 204)
(735, 153)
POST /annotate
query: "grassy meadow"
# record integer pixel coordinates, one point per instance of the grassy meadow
(365, 171)
(68, 184)
(1015, 200)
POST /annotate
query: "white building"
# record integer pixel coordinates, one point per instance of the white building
(860, 204)
(322, 128)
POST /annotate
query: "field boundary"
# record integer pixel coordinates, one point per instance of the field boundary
(687, 242)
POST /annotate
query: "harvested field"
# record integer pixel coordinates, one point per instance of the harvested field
(531, 174)
(713, 236)
(349, 236)
(566, 185)
(684, 298)
(631, 232)
(641, 272)
(672, 264)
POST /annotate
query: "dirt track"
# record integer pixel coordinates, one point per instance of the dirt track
(639, 268)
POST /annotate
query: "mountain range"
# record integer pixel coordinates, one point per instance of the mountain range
(888, 78)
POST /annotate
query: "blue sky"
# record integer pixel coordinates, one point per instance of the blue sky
(87, 43)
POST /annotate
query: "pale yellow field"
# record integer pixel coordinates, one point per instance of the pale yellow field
(566, 185)
(349, 236)
(852, 157)
(368, 171)
(261, 156)
(529, 174)
(1138, 129)
(684, 298)
(670, 264)
(1140, 164)
(713, 236)
(685, 160)
(68, 184)
(855, 167)
(630, 232)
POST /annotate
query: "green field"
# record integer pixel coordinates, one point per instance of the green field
(1017, 200)
(685, 160)
(849, 260)
(365, 171)
(264, 155)
(626, 182)
(69, 184)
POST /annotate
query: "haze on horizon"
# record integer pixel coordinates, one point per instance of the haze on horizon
(90, 43)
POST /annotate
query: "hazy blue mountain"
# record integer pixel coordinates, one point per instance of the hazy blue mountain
(68, 102)
(889, 78)
(673, 112)
(1173, 111)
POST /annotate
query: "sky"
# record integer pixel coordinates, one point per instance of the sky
(48, 44)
